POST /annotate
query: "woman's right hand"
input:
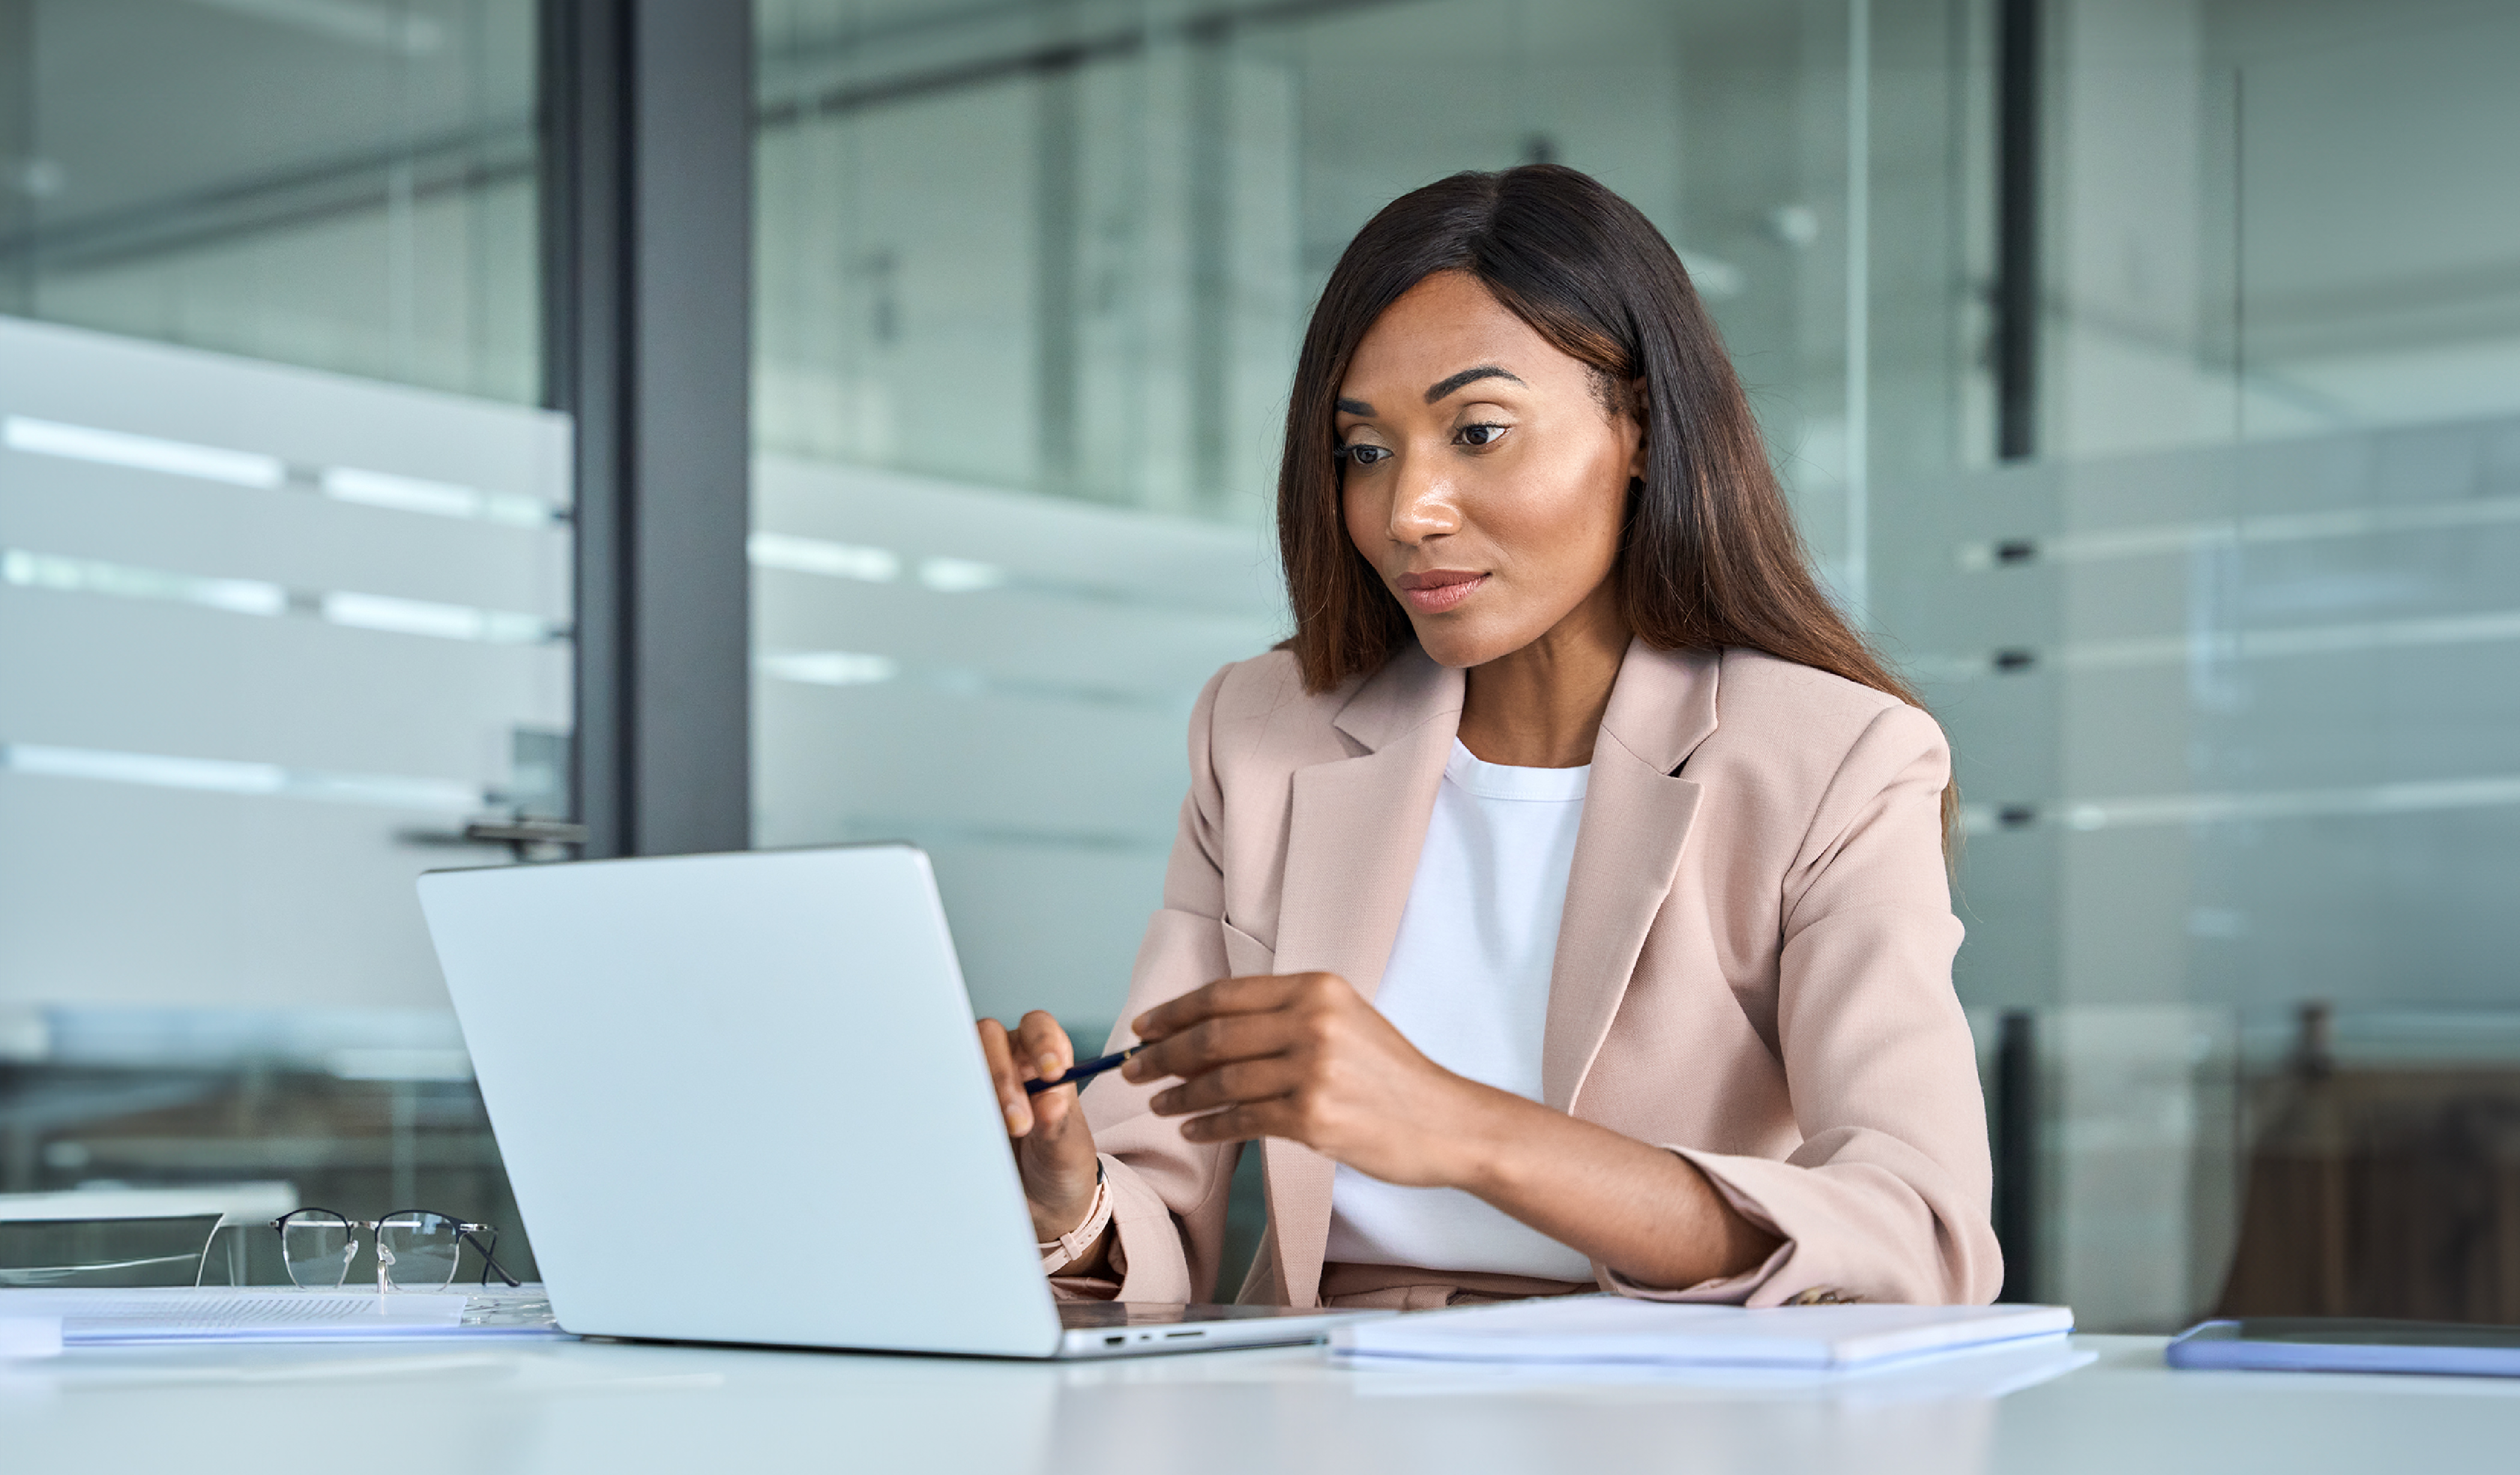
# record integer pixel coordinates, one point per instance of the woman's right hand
(1053, 1147)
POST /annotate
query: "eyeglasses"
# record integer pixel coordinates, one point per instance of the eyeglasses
(417, 1249)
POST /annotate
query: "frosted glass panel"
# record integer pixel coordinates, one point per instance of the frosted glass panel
(268, 638)
(1004, 679)
(2247, 711)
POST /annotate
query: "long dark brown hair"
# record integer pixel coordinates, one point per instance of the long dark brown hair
(1710, 558)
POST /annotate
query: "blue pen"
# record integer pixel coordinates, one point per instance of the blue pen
(1084, 1070)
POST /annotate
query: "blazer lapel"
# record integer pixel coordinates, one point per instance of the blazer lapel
(1636, 817)
(1352, 841)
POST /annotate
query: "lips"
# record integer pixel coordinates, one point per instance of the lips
(1439, 590)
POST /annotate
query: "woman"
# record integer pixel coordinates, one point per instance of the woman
(1563, 905)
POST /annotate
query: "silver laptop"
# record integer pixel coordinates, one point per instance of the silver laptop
(740, 1100)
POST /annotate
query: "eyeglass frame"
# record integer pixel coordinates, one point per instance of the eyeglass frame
(465, 1230)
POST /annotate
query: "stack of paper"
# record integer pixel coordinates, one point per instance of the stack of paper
(29, 1337)
(113, 1318)
(1617, 1329)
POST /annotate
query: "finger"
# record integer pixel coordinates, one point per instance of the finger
(1213, 1043)
(1247, 1122)
(1255, 993)
(1042, 1046)
(1231, 1085)
(1006, 1077)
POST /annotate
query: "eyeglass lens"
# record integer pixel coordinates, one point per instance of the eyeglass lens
(316, 1244)
(420, 1249)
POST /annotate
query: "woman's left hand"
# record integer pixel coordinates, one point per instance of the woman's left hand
(1303, 1056)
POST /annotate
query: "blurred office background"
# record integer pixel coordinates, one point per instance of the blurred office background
(2146, 373)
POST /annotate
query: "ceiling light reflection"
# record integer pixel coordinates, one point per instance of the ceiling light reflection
(836, 560)
(33, 570)
(829, 668)
(960, 575)
(404, 494)
(146, 452)
(227, 777)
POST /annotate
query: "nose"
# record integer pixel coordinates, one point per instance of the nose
(1423, 505)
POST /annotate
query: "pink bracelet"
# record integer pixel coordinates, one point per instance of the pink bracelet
(1058, 1254)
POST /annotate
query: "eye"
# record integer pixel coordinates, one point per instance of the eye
(1478, 435)
(1365, 454)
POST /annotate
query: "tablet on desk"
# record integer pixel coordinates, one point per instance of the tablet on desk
(2345, 1344)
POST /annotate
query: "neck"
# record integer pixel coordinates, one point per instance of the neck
(1541, 706)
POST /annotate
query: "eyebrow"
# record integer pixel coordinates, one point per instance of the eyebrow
(1471, 376)
(1442, 388)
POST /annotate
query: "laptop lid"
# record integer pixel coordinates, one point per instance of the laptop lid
(740, 1100)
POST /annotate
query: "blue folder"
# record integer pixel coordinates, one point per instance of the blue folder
(2340, 1344)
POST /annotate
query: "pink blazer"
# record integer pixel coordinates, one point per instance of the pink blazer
(1754, 967)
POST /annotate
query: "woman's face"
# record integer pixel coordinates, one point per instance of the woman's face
(1484, 479)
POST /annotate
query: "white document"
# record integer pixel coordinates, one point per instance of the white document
(1619, 1329)
(29, 1337)
(122, 1318)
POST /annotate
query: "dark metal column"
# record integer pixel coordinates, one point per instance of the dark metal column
(1210, 123)
(2015, 1147)
(1058, 147)
(648, 227)
(2019, 66)
(22, 177)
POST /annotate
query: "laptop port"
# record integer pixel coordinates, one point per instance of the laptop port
(1114, 1341)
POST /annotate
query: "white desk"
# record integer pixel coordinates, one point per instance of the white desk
(610, 1408)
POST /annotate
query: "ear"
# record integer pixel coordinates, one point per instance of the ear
(1638, 408)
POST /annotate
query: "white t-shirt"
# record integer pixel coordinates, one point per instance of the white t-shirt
(1468, 985)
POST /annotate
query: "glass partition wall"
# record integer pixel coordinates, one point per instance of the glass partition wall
(2192, 519)
(2228, 662)
(284, 596)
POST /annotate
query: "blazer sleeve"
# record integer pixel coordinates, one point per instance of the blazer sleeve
(1168, 1194)
(1887, 1198)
